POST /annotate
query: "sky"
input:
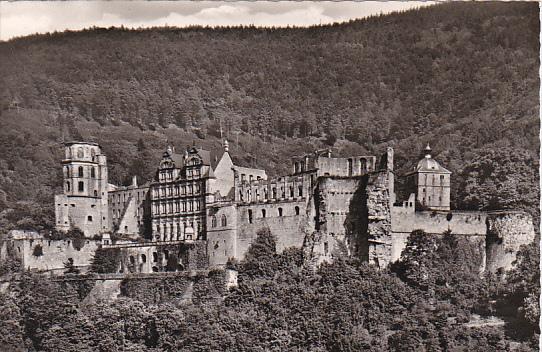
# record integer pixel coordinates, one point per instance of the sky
(20, 18)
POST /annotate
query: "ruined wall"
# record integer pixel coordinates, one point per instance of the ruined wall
(221, 234)
(161, 257)
(55, 253)
(339, 216)
(346, 167)
(86, 213)
(506, 232)
(288, 229)
(181, 287)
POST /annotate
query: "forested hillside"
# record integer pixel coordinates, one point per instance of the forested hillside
(461, 76)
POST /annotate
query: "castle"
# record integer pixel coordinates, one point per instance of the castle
(196, 215)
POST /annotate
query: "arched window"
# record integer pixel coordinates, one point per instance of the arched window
(68, 186)
(213, 221)
(80, 171)
(224, 220)
(296, 210)
(143, 258)
(263, 213)
(363, 165)
(280, 211)
(81, 186)
(250, 216)
(274, 192)
(80, 152)
(92, 172)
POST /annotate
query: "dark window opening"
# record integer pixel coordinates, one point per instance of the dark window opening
(89, 218)
(296, 210)
(250, 216)
(224, 220)
(154, 257)
(80, 171)
(280, 211)
(263, 213)
(81, 186)
(92, 172)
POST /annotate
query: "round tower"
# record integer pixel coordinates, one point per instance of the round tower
(83, 203)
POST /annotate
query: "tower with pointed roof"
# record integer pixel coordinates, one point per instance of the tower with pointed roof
(430, 183)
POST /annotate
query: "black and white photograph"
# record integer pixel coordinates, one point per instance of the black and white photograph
(269, 176)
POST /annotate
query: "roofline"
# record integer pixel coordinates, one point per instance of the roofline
(77, 142)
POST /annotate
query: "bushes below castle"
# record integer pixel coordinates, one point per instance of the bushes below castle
(279, 304)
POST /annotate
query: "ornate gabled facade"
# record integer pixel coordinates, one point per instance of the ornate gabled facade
(194, 215)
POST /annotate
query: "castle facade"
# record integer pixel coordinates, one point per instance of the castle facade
(194, 214)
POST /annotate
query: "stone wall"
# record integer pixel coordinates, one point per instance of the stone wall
(162, 256)
(506, 232)
(221, 240)
(55, 253)
(178, 288)
(288, 229)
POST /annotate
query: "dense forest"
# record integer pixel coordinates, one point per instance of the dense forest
(460, 76)
(433, 299)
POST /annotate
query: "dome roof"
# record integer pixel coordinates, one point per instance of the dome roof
(428, 164)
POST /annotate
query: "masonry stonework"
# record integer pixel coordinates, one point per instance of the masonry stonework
(195, 214)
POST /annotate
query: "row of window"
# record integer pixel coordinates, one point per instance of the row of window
(139, 195)
(171, 207)
(80, 187)
(176, 190)
(80, 172)
(249, 193)
(168, 175)
(80, 152)
(263, 213)
(250, 178)
(178, 228)
(223, 221)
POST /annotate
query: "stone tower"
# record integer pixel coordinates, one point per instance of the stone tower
(431, 183)
(83, 203)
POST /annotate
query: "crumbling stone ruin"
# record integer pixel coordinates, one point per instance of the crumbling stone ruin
(194, 215)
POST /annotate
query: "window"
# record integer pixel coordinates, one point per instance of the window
(265, 196)
(300, 191)
(92, 172)
(176, 190)
(80, 152)
(154, 257)
(68, 186)
(326, 248)
(89, 218)
(213, 221)
(81, 186)
(263, 213)
(250, 216)
(363, 165)
(67, 171)
(183, 190)
(184, 206)
(280, 211)
(224, 220)
(274, 192)
(349, 167)
(296, 210)
(291, 191)
(197, 205)
(80, 171)
(250, 178)
(143, 258)
(243, 177)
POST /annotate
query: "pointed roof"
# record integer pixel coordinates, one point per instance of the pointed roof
(428, 164)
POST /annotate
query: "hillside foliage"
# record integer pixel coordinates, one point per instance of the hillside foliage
(282, 305)
(461, 76)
